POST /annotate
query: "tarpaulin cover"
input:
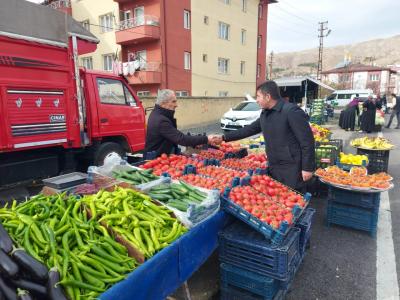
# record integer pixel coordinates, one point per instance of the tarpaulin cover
(161, 275)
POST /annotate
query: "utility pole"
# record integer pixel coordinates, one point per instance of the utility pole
(271, 62)
(323, 32)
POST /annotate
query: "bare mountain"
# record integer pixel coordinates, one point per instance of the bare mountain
(381, 52)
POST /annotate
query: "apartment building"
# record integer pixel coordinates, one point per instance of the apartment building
(198, 48)
(214, 48)
(101, 18)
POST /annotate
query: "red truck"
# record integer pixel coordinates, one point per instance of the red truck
(56, 116)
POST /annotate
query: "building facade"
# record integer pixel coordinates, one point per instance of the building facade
(214, 48)
(198, 48)
(358, 76)
(101, 20)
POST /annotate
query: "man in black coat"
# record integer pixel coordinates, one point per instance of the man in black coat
(395, 111)
(289, 141)
(162, 135)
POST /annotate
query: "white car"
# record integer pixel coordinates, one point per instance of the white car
(243, 114)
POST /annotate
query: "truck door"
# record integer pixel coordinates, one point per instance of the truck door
(119, 113)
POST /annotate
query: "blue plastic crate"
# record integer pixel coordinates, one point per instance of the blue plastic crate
(275, 235)
(365, 200)
(304, 223)
(264, 286)
(243, 247)
(352, 217)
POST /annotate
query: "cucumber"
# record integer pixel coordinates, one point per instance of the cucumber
(178, 205)
(187, 186)
(161, 197)
(160, 191)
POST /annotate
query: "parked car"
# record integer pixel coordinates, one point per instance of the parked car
(243, 114)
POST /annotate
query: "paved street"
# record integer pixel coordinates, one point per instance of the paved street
(341, 263)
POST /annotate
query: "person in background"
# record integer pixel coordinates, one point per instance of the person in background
(384, 103)
(368, 115)
(289, 141)
(395, 111)
(162, 135)
(351, 114)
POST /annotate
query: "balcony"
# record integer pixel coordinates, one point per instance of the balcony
(61, 5)
(148, 73)
(138, 30)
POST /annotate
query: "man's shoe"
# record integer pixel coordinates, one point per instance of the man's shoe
(397, 128)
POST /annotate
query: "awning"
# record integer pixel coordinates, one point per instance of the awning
(298, 81)
(39, 23)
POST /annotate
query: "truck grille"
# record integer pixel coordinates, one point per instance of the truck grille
(34, 129)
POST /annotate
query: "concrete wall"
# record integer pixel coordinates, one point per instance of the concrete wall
(194, 111)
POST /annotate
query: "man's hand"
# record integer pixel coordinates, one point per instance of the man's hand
(306, 175)
(215, 140)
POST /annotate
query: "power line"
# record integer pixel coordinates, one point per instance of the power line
(294, 15)
(296, 9)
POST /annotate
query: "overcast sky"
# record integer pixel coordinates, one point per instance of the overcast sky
(293, 24)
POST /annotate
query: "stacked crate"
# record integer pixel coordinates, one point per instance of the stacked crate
(252, 267)
(355, 210)
(317, 112)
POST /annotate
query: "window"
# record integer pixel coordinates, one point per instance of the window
(186, 57)
(206, 20)
(242, 67)
(226, 1)
(205, 58)
(143, 93)
(111, 91)
(223, 30)
(106, 23)
(186, 19)
(108, 62)
(374, 77)
(344, 78)
(126, 15)
(129, 98)
(87, 62)
(244, 5)
(222, 94)
(182, 93)
(86, 25)
(247, 106)
(139, 15)
(259, 41)
(260, 12)
(223, 65)
(141, 56)
(258, 71)
(243, 37)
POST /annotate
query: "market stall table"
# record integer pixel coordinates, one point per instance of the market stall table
(161, 275)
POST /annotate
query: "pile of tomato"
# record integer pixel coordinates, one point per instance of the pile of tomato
(222, 174)
(277, 191)
(173, 164)
(261, 206)
(204, 182)
(243, 164)
(211, 154)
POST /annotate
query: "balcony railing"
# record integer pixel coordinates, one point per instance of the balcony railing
(139, 21)
(140, 65)
(60, 4)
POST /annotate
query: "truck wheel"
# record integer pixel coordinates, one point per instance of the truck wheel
(106, 150)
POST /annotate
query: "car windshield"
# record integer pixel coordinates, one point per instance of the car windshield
(247, 106)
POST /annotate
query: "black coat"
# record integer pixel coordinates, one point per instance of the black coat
(368, 116)
(289, 142)
(163, 136)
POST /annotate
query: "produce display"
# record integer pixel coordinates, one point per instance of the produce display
(245, 164)
(177, 195)
(357, 178)
(222, 174)
(143, 225)
(375, 143)
(317, 111)
(320, 133)
(325, 155)
(56, 231)
(204, 182)
(173, 164)
(352, 159)
(277, 191)
(211, 154)
(261, 206)
(135, 176)
(252, 141)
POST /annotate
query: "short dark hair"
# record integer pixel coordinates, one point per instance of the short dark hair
(393, 95)
(270, 87)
